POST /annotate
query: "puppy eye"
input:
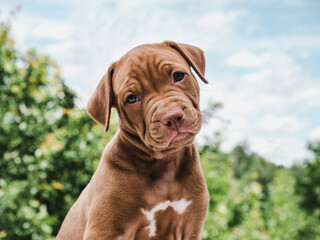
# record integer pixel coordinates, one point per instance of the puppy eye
(178, 76)
(132, 98)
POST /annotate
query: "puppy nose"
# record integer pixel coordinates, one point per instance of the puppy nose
(172, 119)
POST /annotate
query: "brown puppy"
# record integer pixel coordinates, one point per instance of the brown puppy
(149, 183)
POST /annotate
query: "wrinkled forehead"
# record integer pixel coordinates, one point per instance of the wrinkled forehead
(148, 63)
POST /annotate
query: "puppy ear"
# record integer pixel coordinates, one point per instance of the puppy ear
(193, 55)
(100, 102)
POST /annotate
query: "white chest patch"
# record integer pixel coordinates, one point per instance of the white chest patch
(178, 206)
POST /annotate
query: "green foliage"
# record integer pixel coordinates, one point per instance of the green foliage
(234, 205)
(48, 147)
(308, 186)
(284, 218)
(309, 181)
(49, 150)
(245, 164)
(248, 206)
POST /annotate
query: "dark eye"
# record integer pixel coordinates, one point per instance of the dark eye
(178, 76)
(132, 98)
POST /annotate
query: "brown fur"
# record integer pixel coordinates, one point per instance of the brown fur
(145, 164)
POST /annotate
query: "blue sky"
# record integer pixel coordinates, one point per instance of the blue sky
(263, 58)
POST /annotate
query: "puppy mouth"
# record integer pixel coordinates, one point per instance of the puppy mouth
(176, 139)
(180, 136)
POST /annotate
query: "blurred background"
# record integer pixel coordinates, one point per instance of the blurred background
(260, 141)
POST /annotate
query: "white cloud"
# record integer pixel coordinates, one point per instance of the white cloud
(248, 59)
(266, 100)
(315, 135)
(276, 80)
(72, 70)
(82, 97)
(264, 147)
(232, 139)
(239, 104)
(235, 133)
(20, 30)
(274, 86)
(219, 20)
(288, 124)
(306, 43)
(282, 150)
(308, 96)
(59, 49)
(258, 76)
(56, 30)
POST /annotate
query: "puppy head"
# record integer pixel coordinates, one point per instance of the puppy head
(155, 94)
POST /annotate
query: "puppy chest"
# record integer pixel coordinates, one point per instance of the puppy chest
(164, 219)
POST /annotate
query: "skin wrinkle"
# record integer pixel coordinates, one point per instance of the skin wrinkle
(147, 102)
(160, 103)
(195, 122)
(134, 86)
(165, 66)
(152, 114)
(153, 73)
(141, 75)
(136, 142)
(162, 137)
(156, 135)
(160, 140)
(144, 128)
(139, 71)
(134, 74)
(193, 101)
(125, 115)
(154, 108)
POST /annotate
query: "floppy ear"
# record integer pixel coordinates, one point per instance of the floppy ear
(193, 55)
(100, 102)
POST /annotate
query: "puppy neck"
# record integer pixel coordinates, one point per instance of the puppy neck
(133, 157)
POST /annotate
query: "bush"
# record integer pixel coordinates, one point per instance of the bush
(49, 147)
